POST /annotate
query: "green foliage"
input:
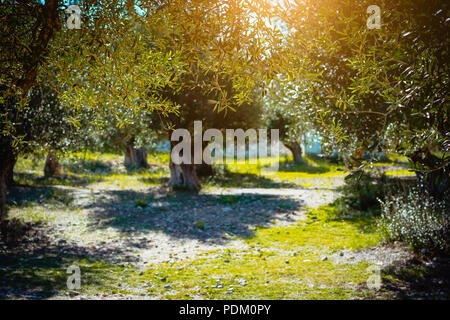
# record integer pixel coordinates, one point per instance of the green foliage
(196, 105)
(376, 90)
(223, 46)
(363, 190)
(286, 108)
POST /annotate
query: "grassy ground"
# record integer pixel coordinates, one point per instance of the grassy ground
(279, 263)
(103, 219)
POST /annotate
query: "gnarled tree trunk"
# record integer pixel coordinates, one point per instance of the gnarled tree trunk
(296, 151)
(52, 166)
(190, 179)
(183, 176)
(176, 177)
(135, 158)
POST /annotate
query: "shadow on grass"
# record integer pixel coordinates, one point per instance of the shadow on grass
(154, 180)
(32, 179)
(106, 168)
(415, 279)
(183, 215)
(34, 267)
(312, 165)
(229, 179)
(87, 178)
(160, 176)
(26, 196)
(339, 211)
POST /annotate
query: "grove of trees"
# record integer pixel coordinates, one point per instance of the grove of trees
(137, 70)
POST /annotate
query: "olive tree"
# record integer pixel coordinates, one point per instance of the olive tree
(196, 105)
(74, 64)
(226, 52)
(286, 108)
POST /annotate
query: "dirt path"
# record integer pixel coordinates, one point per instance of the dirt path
(144, 227)
(177, 227)
(151, 226)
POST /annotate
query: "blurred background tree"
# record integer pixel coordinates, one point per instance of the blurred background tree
(286, 108)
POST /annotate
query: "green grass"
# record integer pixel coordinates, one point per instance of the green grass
(326, 229)
(288, 171)
(282, 263)
(92, 169)
(248, 275)
(247, 175)
(279, 262)
(100, 171)
(404, 172)
(45, 276)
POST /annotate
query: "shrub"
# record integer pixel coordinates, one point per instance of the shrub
(362, 189)
(417, 219)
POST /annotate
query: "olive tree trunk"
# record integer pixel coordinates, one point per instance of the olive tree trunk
(52, 166)
(135, 158)
(183, 176)
(296, 151)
